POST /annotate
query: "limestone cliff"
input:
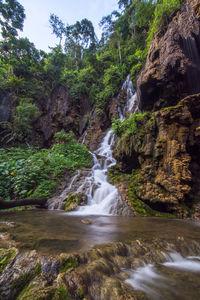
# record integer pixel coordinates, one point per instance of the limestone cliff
(172, 69)
(164, 159)
(162, 163)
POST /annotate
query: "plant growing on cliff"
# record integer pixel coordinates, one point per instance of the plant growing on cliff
(162, 12)
(129, 133)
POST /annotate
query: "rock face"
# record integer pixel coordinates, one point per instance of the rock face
(5, 106)
(56, 112)
(172, 69)
(164, 156)
(59, 112)
(167, 149)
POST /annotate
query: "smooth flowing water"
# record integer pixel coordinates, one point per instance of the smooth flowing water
(131, 98)
(103, 197)
(53, 232)
(177, 278)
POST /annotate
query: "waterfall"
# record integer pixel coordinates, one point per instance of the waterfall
(103, 197)
(131, 99)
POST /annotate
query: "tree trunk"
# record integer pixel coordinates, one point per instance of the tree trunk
(119, 49)
(24, 202)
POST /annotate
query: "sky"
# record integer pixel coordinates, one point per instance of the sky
(36, 25)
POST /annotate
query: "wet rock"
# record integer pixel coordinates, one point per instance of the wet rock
(86, 221)
(76, 184)
(97, 274)
(74, 200)
(22, 269)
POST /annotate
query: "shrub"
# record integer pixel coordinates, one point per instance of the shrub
(26, 115)
(36, 173)
(162, 11)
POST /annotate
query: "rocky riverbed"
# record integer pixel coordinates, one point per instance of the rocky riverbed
(55, 256)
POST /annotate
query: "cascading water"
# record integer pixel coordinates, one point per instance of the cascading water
(103, 197)
(131, 102)
(168, 276)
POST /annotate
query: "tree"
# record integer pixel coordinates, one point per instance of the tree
(58, 27)
(11, 17)
(123, 4)
(80, 36)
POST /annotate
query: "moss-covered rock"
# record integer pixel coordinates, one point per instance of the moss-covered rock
(6, 255)
(68, 261)
(73, 200)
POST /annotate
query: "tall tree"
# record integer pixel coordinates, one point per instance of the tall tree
(57, 26)
(11, 17)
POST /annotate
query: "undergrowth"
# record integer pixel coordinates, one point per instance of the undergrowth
(35, 173)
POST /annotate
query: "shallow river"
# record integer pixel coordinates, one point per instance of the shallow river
(53, 232)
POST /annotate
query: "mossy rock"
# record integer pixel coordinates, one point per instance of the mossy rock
(23, 281)
(72, 201)
(172, 107)
(6, 255)
(36, 292)
(68, 261)
(39, 289)
(62, 294)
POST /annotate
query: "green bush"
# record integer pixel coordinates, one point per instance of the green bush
(162, 11)
(36, 173)
(128, 133)
(26, 115)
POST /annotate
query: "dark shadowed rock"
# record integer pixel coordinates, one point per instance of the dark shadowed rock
(172, 69)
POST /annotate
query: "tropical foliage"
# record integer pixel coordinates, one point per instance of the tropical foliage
(34, 173)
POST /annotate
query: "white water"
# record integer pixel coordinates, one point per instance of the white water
(146, 279)
(105, 199)
(131, 106)
(152, 279)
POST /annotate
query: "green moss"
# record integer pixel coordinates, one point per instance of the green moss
(81, 293)
(5, 257)
(35, 292)
(131, 132)
(21, 283)
(162, 141)
(133, 182)
(68, 263)
(72, 200)
(172, 107)
(160, 149)
(61, 294)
